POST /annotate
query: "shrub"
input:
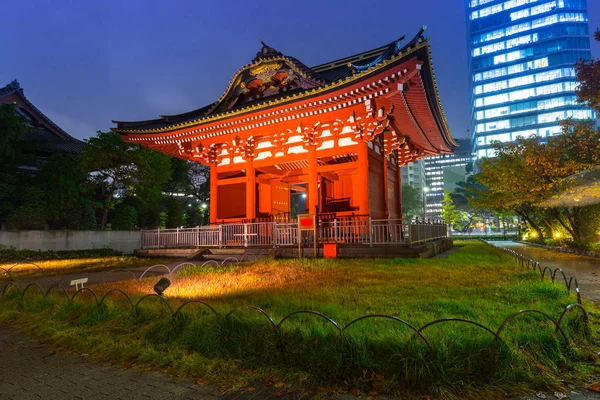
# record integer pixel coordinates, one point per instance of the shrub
(12, 254)
(125, 218)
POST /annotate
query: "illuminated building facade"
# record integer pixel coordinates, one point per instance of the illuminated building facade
(522, 54)
(436, 175)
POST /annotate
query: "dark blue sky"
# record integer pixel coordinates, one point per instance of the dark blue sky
(85, 63)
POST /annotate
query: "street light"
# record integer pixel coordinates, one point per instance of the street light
(204, 206)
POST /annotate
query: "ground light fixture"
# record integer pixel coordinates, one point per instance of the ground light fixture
(161, 286)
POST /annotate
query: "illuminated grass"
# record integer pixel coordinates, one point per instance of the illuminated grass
(476, 283)
(67, 266)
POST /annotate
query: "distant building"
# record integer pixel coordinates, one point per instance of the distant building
(522, 54)
(443, 172)
(413, 174)
(46, 137)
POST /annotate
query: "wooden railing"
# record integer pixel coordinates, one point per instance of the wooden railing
(348, 230)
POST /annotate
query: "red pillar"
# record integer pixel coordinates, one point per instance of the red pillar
(385, 186)
(250, 190)
(214, 194)
(313, 185)
(399, 188)
(363, 179)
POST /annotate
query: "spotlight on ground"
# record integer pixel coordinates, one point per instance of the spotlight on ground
(161, 286)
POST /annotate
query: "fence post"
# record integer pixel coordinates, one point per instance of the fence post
(335, 230)
(220, 236)
(409, 231)
(370, 233)
(177, 236)
(158, 238)
(274, 230)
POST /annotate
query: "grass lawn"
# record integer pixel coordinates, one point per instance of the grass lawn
(477, 283)
(22, 269)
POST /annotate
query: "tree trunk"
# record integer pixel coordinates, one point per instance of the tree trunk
(106, 206)
(529, 221)
(569, 227)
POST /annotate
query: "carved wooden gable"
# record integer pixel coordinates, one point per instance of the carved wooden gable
(269, 75)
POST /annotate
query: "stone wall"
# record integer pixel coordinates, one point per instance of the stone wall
(123, 241)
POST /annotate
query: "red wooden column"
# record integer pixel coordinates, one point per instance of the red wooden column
(385, 186)
(313, 185)
(214, 193)
(363, 178)
(250, 189)
(399, 189)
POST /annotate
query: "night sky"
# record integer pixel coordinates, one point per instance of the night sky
(85, 63)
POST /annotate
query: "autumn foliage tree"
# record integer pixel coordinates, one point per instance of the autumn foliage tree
(526, 173)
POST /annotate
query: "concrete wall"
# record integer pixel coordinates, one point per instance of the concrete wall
(123, 241)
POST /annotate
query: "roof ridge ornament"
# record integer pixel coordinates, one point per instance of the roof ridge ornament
(392, 50)
(14, 85)
(266, 51)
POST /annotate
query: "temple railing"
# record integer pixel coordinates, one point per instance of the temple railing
(359, 230)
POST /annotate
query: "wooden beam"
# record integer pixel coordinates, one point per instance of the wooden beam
(231, 181)
(300, 189)
(268, 169)
(331, 176)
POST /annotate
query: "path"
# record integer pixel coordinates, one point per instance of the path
(95, 277)
(31, 370)
(585, 269)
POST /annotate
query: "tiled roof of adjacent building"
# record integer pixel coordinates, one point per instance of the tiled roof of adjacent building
(50, 137)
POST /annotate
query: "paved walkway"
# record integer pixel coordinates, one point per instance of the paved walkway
(31, 370)
(585, 269)
(95, 277)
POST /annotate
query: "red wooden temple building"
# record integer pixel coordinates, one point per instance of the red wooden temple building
(336, 133)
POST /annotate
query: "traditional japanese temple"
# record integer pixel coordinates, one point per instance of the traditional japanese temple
(337, 133)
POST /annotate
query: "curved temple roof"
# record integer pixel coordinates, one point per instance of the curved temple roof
(273, 78)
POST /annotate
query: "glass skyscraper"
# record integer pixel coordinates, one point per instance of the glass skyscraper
(522, 54)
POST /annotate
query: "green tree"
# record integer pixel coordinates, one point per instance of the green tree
(67, 193)
(125, 218)
(14, 152)
(412, 202)
(175, 214)
(449, 212)
(32, 213)
(199, 179)
(122, 168)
